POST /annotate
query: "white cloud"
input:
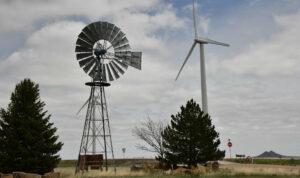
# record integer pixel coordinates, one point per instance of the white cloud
(277, 55)
(189, 7)
(204, 23)
(22, 15)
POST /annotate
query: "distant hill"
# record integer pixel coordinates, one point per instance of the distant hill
(272, 154)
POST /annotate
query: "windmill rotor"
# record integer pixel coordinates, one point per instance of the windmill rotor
(104, 53)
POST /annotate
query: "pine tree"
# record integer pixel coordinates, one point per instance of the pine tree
(191, 138)
(27, 139)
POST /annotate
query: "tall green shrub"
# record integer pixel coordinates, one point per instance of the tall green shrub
(191, 138)
(27, 138)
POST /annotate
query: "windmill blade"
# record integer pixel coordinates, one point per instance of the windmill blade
(114, 71)
(115, 31)
(123, 54)
(110, 28)
(125, 47)
(187, 57)
(104, 72)
(84, 61)
(82, 49)
(98, 29)
(104, 30)
(85, 37)
(110, 77)
(88, 33)
(88, 66)
(83, 55)
(94, 70)
(119, 69)
(93, 32)
(81, 42)
(118, 38)
(205, 40)
(125, 66)
(122, 42)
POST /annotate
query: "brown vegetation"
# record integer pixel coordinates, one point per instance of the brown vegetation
(30, 175)
(6, 175)
(262, 169)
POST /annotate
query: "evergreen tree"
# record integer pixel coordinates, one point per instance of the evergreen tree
(27, 139)
(191, 138)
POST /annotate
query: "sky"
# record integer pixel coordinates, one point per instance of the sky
(253, 86)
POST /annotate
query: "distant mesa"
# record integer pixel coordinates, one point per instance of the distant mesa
(272, 154)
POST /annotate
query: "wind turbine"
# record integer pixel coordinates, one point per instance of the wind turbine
(201, 42)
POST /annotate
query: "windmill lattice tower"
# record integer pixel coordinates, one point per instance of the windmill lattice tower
(104, 53)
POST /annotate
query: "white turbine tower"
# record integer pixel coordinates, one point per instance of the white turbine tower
(201, 42)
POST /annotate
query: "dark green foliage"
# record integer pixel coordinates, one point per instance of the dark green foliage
(27, 139)
(191, 138)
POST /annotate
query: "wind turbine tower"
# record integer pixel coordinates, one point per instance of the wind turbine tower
(201, 41)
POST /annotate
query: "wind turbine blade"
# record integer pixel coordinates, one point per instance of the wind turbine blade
(187, 57)
(194, 16)
(83, 106)
(206, 40)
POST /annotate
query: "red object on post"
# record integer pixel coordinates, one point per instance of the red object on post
(229, 144)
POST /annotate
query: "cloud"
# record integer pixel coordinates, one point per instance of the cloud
(276, 55)
(203, 21)
(204, 24)
(189, 7)
(45, 50)
(27, 17)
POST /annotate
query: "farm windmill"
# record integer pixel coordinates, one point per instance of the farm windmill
(201, 42)
(104, 53)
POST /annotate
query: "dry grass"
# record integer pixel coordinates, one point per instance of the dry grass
(68, 172)
(226, 171)
(262, 169)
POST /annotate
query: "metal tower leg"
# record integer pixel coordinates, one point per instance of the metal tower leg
(96, 137)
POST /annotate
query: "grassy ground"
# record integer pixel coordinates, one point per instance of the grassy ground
(67, 170)
(209, 176)
(121, 172)
(261, 169)
(288, 162)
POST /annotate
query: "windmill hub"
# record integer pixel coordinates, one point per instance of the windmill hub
(100, 52)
